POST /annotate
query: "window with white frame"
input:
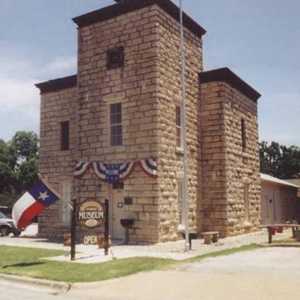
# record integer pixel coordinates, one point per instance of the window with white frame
(66, 202)
(116, 130)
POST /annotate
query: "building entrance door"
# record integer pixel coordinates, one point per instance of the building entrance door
(267, 209)
(117, 208)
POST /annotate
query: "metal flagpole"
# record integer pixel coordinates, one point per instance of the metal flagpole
(73, 230)
(184, 131)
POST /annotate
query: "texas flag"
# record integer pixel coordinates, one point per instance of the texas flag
(32, 203)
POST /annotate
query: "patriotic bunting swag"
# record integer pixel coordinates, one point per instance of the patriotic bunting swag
(113, 173)
(149, 166)
(81, 168)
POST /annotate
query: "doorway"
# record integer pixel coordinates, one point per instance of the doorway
(117, 211)
(268, 209)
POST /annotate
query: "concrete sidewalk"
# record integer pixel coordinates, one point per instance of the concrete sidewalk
(170, 250)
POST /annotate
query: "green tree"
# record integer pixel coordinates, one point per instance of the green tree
(24, 147)
(7, 178)
(279, 160)
(18, 165)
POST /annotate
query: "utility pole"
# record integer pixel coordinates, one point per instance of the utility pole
(185, 199)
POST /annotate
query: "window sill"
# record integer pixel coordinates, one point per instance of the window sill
(116, 149)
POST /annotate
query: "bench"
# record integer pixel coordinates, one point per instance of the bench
(278, 228)
(210, 237)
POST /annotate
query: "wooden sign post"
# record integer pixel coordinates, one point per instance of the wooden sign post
(106, 227)
(90, 214)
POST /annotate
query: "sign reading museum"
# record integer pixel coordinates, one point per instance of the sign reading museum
(91, 214)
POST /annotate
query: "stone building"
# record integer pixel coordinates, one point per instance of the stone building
(123, 107)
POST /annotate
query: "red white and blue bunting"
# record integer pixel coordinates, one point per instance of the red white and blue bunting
(80, 168)
(113, 173)
(149, 166)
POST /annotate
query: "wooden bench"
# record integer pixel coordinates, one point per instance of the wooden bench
(278, 228)
(210, 237)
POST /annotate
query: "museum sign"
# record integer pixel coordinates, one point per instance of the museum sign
(91, 214)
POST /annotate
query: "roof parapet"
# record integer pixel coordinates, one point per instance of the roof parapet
(226, 75)
(57, 84)
(127, 6)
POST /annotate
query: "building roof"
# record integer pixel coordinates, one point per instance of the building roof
(57, 84)
(269, 178)
(121, 8)
(295, 181)
(226, 75)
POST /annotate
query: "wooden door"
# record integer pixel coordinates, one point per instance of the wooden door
(267, 208)
(117, 204)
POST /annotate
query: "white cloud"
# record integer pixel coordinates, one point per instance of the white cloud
(18, 94)
(61, 66)
(279, 118)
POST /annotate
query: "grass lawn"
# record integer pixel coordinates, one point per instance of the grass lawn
(29, 262)
(224, 252)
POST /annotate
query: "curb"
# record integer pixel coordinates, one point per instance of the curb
(62, 287)
(279, 245)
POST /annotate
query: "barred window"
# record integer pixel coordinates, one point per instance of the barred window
(116, 130)
(115, 58)
(243, 134)
(64, 136)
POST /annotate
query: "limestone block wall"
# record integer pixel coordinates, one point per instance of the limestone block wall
(56, 166)
(169, 96)
(135, 86)
(213, 209)
(230, 172)
(242, 165)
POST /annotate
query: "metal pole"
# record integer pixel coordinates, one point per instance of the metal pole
(73, 230)
(184, 131)
(106, 227)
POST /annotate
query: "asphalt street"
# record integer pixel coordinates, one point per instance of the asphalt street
(16, 291)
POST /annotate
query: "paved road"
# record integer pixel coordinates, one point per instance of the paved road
(11, 291)
(264, 274)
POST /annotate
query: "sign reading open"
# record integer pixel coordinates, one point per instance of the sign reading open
(91, 214)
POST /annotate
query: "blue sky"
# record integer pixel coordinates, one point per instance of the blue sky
(259, 40)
